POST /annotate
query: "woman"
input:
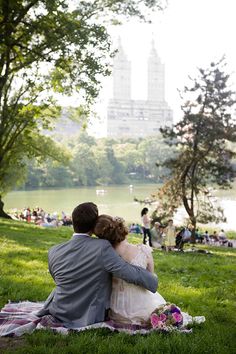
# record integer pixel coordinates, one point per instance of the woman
(146, 221)
(130, 304)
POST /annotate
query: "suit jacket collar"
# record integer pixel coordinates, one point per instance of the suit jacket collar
(78, 235)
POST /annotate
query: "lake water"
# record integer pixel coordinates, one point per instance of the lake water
(113, 200)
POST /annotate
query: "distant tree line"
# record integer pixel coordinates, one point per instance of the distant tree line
(101, 162)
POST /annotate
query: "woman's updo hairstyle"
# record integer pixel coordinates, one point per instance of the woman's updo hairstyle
(111, 229)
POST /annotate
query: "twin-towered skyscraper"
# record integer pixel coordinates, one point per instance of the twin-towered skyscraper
(137, 118)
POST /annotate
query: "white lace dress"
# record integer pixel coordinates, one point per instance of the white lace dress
(130, 303)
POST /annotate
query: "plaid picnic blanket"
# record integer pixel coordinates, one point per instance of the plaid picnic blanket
(19, 318)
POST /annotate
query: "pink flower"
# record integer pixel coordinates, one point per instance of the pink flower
(154, 320)
(177, 316)
(163, 317)
(160, 324)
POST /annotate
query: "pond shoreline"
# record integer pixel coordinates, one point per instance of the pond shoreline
(116, 200)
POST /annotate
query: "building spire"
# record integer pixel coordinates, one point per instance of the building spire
(153, 52)
(156, 76)
(120, 51)
(121, 74)
(128, 117)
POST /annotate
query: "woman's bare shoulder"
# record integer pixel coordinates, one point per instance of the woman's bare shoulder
(128, 251)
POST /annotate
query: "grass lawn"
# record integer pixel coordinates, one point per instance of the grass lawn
(201, 284)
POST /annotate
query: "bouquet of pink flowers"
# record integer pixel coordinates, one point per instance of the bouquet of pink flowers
(165, 316)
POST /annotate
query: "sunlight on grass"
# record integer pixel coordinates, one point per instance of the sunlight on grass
(225, 253)
(17, 228)
(9, 245)
(182, 291)
(200, 284)
(31, 264)
(37, 279)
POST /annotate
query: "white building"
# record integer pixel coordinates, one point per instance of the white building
(137, 118)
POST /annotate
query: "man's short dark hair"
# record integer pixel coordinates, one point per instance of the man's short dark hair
(84, 217)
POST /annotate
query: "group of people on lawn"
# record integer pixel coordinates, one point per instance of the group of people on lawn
(40, 217)
(169, 237)
(162, 236)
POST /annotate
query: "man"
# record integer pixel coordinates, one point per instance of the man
(183, 236)
(187, 234)
(206, 237)
(82, 269)
(222, 237)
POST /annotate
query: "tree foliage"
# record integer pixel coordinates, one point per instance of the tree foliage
(202, 141)
(100, 162)
(49, 45)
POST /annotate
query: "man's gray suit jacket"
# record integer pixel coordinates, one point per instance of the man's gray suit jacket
(82, 270)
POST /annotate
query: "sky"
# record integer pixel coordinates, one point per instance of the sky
(187, 35)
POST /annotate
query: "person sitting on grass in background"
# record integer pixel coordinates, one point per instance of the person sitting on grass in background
(135, 229)
(222, 237)
(214, 237)
(179, 240)
(157, 235)
(206, 237)
(187, 234)
(198, 236)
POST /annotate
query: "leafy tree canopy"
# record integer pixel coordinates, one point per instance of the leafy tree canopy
(59, 45)
(202, 140)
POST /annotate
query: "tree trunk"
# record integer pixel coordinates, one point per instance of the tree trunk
(2, 212)
(193, 238)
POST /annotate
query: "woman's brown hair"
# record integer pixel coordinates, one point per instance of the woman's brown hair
(111, 229)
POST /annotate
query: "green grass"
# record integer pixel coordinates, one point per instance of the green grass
(201, 284)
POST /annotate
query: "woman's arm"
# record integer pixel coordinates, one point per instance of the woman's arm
(132, 274)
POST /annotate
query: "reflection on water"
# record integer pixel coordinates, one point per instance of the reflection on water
(114, 200)
(229, 207)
